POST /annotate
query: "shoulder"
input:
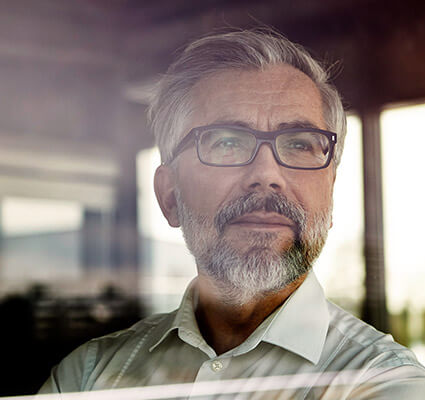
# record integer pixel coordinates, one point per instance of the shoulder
(142, 328)
(104, 348)
(371, 364)
(78, 371)
(365, 345)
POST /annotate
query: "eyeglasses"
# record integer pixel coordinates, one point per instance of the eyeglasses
(234, 146)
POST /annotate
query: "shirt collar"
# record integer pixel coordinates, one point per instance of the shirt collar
(300, 325)
(185, 323)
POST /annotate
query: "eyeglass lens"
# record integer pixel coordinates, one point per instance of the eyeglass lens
(220, 146)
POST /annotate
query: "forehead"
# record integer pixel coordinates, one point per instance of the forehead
(260, 98)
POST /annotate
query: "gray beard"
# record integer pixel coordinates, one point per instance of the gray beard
(241, 275)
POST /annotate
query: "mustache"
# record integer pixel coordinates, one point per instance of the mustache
(273, 202)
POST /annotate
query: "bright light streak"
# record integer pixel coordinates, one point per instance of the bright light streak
(350, 378)
(21, 216)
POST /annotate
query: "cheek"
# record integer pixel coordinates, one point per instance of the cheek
(196, 194)
(205, 189)
(314, 191)
(323, 196)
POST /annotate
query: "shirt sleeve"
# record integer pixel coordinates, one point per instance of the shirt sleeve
(404, 382)
(72, 373)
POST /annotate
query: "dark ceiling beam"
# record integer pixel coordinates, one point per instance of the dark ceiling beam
(380, 51)
(58, 32)
(63, 63)
(59, 55)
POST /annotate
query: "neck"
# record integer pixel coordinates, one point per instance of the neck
(225, 326)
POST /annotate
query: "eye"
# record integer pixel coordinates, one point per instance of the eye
(227, 143)
(298, 144)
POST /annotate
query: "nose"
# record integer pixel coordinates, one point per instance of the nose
(264, 173)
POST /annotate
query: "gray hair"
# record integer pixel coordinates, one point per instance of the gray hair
(170, 103)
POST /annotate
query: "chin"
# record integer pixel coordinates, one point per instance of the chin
(255, 271)
(249, 241)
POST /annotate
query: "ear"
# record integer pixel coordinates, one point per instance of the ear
(164, 184)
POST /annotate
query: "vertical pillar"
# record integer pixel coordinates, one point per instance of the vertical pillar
(131, 137)
(1, 236)
(374, 307)
(125, 235)
(92, 240)
(96, 241)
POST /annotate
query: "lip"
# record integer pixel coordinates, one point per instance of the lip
(260, 220)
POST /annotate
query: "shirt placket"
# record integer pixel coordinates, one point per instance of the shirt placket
(211, 373)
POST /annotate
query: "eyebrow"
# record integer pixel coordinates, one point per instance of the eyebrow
(283, 125)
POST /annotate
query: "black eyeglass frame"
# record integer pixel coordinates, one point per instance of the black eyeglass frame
(261, 137)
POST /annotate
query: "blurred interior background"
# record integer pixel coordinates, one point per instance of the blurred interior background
(84, 249)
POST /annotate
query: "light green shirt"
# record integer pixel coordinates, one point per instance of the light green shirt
(307, 349)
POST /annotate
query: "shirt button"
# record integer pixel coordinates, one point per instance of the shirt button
(216, 366)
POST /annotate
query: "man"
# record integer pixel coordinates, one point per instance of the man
(250, 134)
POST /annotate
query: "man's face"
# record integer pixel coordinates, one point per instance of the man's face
(261, 100)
